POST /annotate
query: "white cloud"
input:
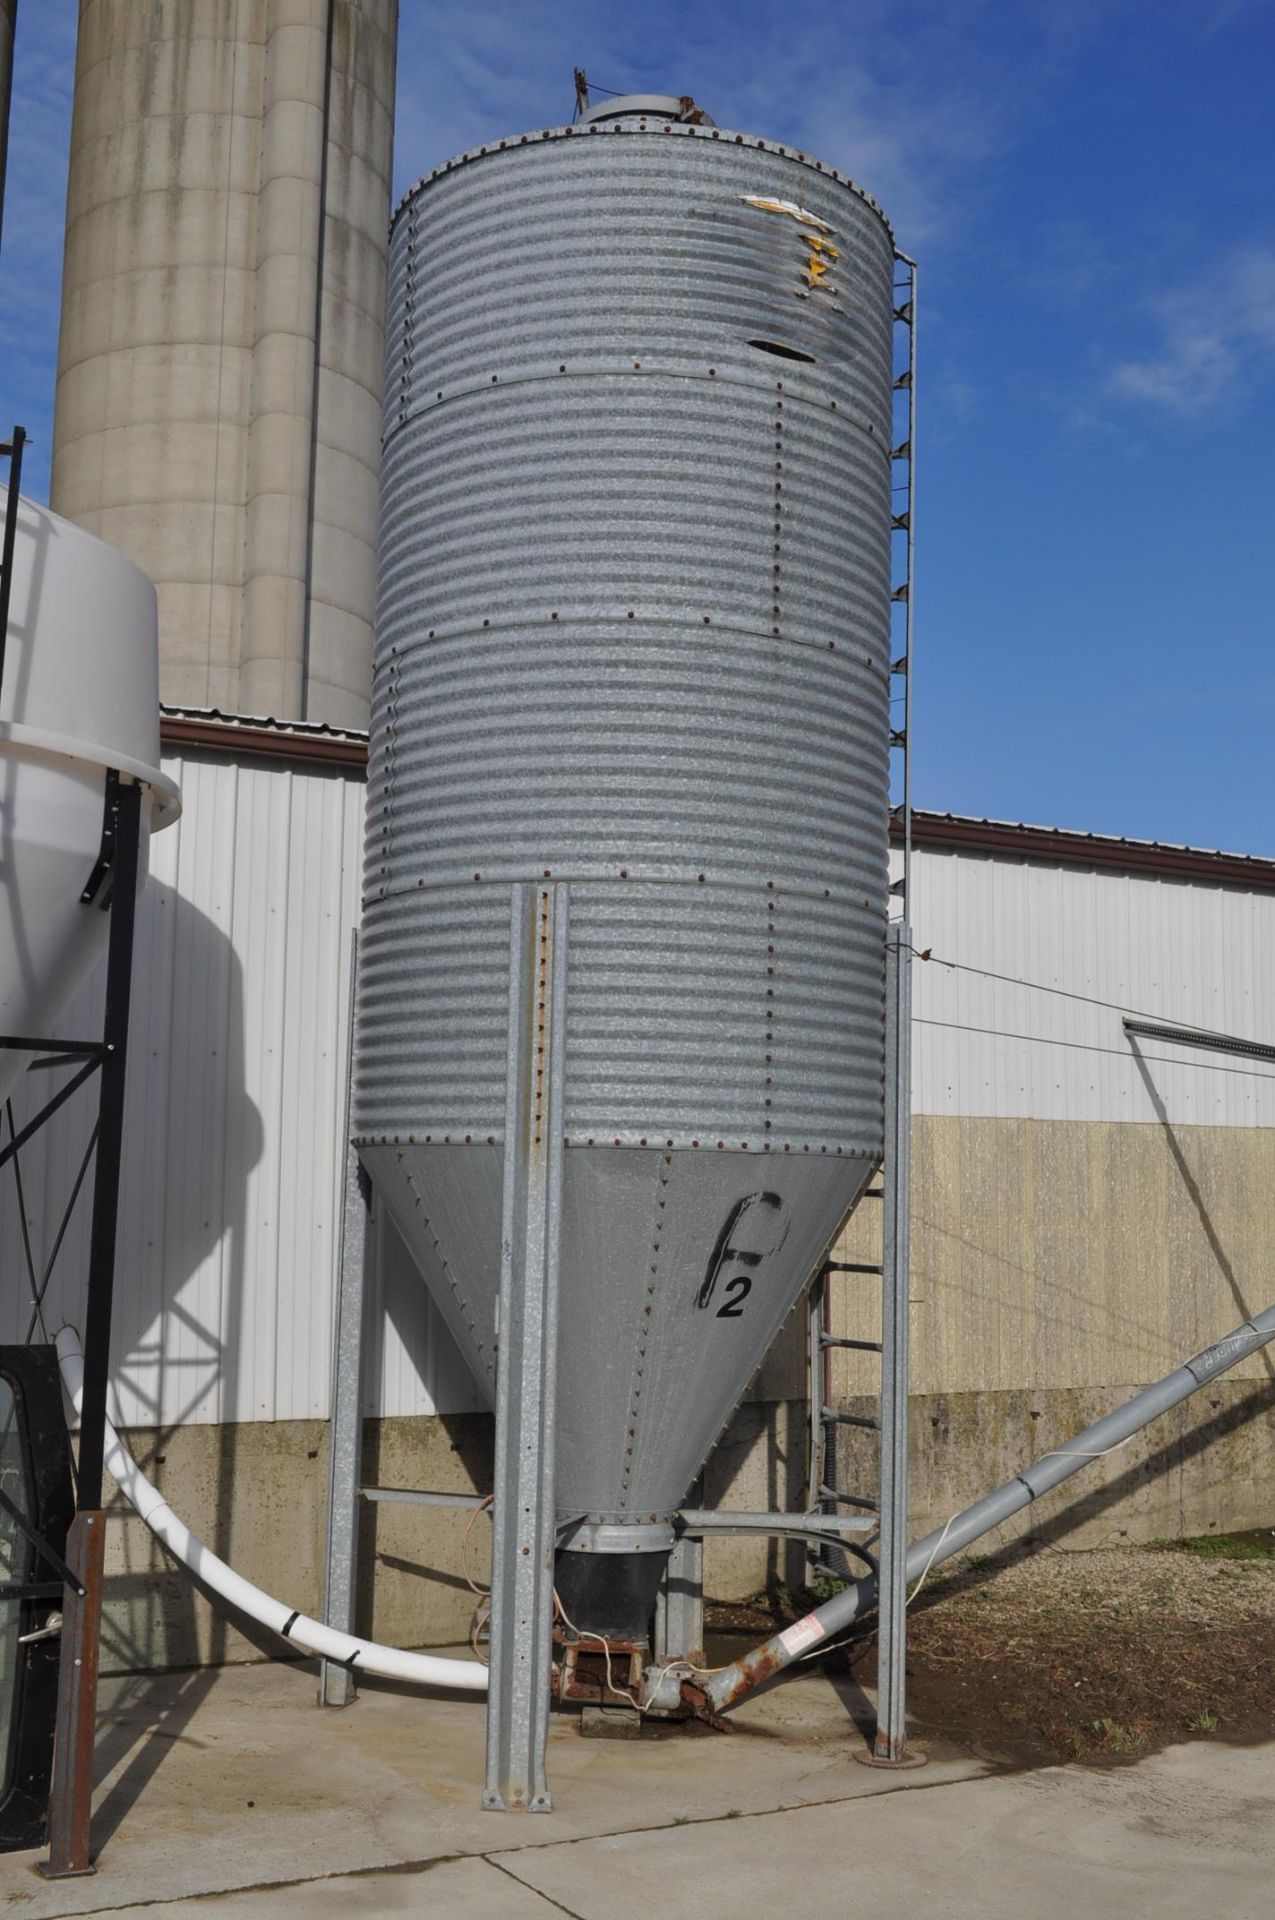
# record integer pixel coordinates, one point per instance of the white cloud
(866, 86)
(1213, 334)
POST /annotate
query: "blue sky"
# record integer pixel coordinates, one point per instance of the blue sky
(1088, 188)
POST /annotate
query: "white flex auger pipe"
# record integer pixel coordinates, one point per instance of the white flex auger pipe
(364, 1656)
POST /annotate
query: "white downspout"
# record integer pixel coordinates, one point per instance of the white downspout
(364, 1656)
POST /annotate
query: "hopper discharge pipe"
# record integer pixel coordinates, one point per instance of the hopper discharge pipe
(311, 1636)
(725, 1689)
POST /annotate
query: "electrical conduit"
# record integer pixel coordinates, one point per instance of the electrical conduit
(364, 1656)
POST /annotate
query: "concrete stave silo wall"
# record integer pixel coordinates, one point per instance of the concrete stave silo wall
(220, 363)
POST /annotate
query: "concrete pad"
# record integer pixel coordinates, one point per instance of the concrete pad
(452, 1890)
(228, 1793)
(232, 1778)
(1184, 1832)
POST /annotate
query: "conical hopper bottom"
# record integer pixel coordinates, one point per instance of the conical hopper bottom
(678, 1269)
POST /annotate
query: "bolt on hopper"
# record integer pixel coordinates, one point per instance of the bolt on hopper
(620, 1058)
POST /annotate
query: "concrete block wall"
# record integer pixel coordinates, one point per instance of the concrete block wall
(256, 1493)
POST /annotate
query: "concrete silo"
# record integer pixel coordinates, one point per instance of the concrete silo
(621, 1032)
(220, 365)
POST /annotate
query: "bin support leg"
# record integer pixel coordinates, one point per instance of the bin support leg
(523, 1530)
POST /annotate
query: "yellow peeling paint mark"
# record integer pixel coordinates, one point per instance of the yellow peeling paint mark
(822, 255)
(820, 252)
(789, 207)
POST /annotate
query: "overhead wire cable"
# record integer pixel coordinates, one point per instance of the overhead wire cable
(1086, 1046)
(1036, 986)
(1084, 999)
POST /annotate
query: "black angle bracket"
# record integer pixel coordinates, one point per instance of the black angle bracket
(101, 878)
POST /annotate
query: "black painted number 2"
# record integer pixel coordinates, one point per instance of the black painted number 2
(737, 1291)
(754, 1229)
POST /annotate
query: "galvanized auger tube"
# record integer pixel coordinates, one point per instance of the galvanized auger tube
(632, 646)
(724, 1690)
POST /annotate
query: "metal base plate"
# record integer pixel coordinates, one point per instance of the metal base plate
(904, 1764)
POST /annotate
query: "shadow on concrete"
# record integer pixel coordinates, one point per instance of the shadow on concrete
(139, 1728)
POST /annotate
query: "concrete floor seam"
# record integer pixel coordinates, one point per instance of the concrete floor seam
(527, 1886)
(424, 1864)
(854, 1796)
(405, 1867)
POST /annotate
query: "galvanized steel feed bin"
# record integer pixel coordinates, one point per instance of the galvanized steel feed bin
(633, 641)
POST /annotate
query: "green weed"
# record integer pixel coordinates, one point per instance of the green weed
(1259, 1545)
(1118, 1739)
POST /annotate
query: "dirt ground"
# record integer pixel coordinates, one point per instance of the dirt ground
(1032, 1657)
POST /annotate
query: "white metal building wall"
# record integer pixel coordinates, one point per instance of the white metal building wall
(1181, 952)
(238, 1061)
(237, 1064)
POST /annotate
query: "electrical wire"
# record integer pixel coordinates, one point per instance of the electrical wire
(1085, 1046)
(671, 1667)
(583, 1633)
(1088, 1453)
(1040, 986)
(1054, 1453)
(585, 87)
(947, 1528)
(482, 1612)
(483, 1506)
(482, 1616)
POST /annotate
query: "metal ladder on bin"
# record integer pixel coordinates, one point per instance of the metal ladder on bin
(824, 1559)
(886, 1549)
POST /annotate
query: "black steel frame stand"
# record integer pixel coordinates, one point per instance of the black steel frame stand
(112, 886)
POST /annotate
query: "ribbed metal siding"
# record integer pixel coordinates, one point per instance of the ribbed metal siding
(232, 1145)
(1100, 943)
(510, 260)
(634, 632)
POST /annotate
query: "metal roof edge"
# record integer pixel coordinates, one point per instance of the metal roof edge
(206, 730)
(308, 743)
(1062, 846)
(638, 125)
